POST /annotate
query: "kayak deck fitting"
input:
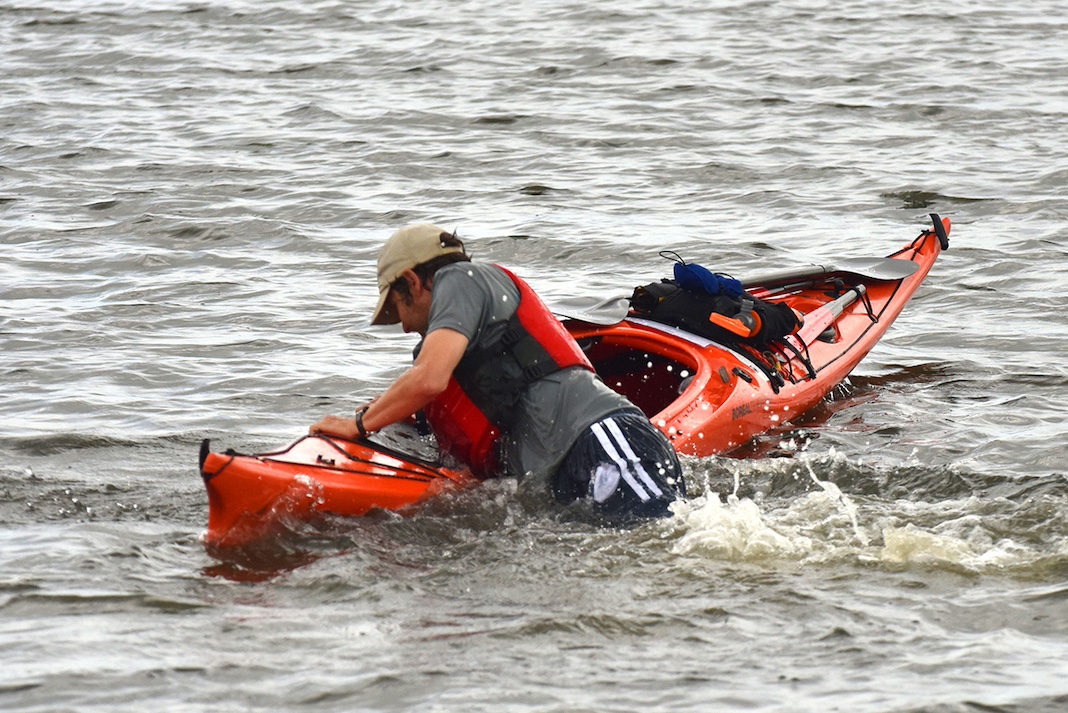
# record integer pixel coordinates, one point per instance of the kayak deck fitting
(708, 398)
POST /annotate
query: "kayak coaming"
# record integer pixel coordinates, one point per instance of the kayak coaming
(706, 397)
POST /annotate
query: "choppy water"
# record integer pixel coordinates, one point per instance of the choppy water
(191, 197)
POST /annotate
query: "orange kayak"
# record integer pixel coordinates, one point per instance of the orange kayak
(250, 496)
(711, 398)
(707, 397)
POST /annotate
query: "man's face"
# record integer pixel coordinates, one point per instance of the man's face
(414, 310)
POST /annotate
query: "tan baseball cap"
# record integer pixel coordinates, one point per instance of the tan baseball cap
(410, 246)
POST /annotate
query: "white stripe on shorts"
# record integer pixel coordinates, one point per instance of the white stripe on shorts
(624, 444)
(610, 449)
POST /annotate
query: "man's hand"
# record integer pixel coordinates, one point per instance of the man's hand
(336, 426)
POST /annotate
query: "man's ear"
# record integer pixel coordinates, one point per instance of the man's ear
(417, 284)
(413, 281)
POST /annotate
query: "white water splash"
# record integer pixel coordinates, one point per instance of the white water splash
(733, 530)
(963, 540)
(845, 503)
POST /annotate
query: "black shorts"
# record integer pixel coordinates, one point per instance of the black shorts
(624, 466)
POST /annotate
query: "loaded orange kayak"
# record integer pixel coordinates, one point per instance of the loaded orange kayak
(708, 397)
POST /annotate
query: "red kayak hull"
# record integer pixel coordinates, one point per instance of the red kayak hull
(251, 496)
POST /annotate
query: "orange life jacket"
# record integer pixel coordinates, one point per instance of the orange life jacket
(480, 400)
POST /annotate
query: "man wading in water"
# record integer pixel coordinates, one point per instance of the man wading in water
(505, 388)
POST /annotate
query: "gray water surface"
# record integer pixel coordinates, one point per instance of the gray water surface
(191, 201)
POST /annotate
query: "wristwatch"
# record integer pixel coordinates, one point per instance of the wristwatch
(359, 421)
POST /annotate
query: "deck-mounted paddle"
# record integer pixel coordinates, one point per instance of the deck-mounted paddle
(613, 310)
(605, 312)
(869, 268)
(820, 320)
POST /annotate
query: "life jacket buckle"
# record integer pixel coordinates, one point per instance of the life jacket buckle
(535, 371)
(512, 336)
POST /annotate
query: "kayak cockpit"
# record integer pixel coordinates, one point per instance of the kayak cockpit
(653, 369)
(649, 380)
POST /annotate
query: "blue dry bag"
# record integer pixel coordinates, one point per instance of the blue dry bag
(701, 280)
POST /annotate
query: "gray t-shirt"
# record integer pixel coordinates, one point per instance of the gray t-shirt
(469, 298)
